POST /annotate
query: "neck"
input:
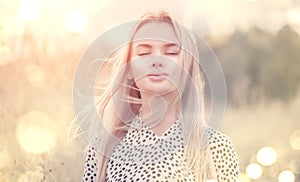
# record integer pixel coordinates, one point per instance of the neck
(159, 112)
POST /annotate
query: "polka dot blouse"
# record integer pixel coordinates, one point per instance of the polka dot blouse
(144, 156)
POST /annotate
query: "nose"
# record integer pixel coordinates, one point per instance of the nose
(156, 63)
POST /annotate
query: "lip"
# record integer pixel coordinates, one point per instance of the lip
(157, 76)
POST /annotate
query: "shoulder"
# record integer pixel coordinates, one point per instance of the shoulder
(217, 139)
(90, 165)
(224, 155)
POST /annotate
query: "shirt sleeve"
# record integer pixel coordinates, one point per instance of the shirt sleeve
(90, 165)
(225, 158)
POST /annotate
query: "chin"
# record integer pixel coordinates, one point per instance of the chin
(160, 91)
(161, 88)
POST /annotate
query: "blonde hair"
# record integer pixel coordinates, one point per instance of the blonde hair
(114, 83)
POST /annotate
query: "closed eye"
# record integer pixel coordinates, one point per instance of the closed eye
(173, 50)
(172, 53)
(143, 54)
(143, 51)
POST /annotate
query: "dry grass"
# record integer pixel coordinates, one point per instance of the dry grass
(269, 123)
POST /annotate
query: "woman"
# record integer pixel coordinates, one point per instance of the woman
(152, 105)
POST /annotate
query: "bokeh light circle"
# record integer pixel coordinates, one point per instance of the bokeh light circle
(35, 132)
(286, 176)
(254, 171)
(29, 10)
(266, 156)
(295, 140)
(293, 16)
(34, 75)
(76, 21)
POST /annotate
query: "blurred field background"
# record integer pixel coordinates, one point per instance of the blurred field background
(257, 43)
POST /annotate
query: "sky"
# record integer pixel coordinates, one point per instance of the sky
(214, 17)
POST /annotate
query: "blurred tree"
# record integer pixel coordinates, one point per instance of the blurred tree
(233, 61)
(258, 64)
(285, 65)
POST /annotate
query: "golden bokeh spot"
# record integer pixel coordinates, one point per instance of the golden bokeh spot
(29, 10)
(76, 21)
(295, 140)
(35, 132)
(286, 176)
(35, 75)
(254, 171)
(266, 156)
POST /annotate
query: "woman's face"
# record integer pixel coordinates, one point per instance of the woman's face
(154, 62)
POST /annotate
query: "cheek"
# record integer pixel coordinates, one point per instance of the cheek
(138, 69)
(176, 71)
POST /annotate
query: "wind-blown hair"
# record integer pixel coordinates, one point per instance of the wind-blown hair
(118, 100)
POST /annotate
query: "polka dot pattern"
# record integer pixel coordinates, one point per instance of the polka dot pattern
(90, 165)
(144, 156)
(224, 156)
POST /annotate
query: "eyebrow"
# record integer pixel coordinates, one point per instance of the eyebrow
(171, 45)
(166, 45)
(144, 45)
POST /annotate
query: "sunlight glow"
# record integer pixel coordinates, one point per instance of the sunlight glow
(293, 16)
(286, 176)
(245, 178)
(279, 3)
(31, 176)
(266, 156)
(254, 171)
(76, 21)
(5, 160)
(251, 0)
(34, 75)
(294, 165)
(5, 55)
(295, 140)
(35, 133)
(29, 10)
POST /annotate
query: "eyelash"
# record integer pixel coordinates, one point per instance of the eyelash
(172, 53)
(144, 54)
(167, 53)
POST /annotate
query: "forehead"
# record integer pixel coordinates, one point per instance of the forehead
(161, 31)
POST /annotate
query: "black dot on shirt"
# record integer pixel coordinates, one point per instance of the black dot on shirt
(144, 157)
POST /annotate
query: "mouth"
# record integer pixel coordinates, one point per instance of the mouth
(157, 76)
